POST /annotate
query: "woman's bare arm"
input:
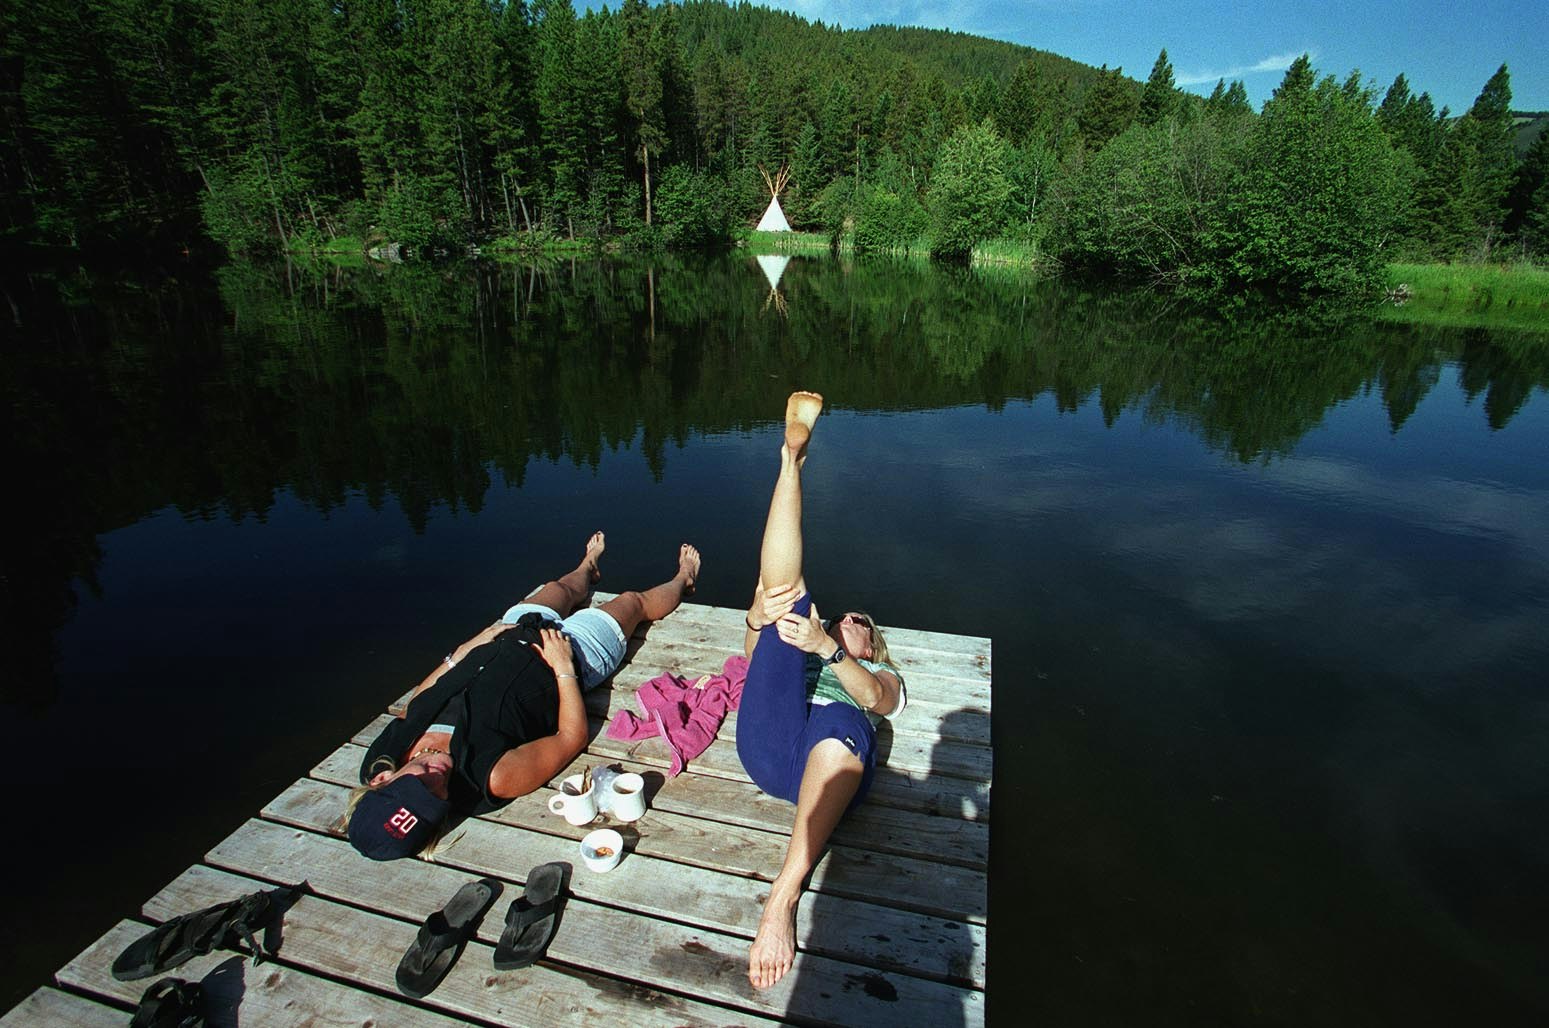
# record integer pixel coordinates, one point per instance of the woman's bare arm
(457, 656)
(526, 768)
(875, 692)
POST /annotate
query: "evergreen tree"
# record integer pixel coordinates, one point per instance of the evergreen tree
(1529, 203)
(1017, 114)
(560, 117)
(837, 129)
(1031, 107)
(1394, 103)
(1159, 99)
(1465, 197)
(384, 129)
(1319, 195)
(600, 88)
(982, 98)
(1227, 101)
(462, 68)
(1297, 84)
(1108, 110)
(641, 58)
(511, 118)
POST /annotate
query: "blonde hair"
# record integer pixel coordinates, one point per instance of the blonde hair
(878, 644)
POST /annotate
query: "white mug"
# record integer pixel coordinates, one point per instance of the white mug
(628, 797)
(578, 807)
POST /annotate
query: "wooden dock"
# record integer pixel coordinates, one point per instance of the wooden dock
(892, 931)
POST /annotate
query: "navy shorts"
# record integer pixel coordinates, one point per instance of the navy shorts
(777, 727)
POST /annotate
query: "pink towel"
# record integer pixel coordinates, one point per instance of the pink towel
(685, 714)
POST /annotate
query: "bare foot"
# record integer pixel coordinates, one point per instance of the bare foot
(688, 566)
(594, 547)
(801, 413)
(774, 947)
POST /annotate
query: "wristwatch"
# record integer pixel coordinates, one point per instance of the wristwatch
(837, 658)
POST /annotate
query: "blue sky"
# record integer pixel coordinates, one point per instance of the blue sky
(1448, 49)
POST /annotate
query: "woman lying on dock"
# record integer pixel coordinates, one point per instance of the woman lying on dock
(814, 693)
(502, 714)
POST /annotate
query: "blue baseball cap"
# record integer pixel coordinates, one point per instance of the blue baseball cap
(397, 820)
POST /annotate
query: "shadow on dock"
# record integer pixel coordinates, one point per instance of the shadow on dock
(812, 1000)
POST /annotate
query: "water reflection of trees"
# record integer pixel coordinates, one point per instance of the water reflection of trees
(419, 383)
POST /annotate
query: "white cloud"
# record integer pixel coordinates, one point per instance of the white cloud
(1275, 63)
(857, 14)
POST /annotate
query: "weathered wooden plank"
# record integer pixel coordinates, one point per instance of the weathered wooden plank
(363, 949)
(955, 666)
(729, 620)
(949, 840)
(927, 738)
(66, 1010)
(921, 790)
(929, 715)
(909, 883)
(649, 953)
(705, 649)
(236, 992)
(914, 791)
(876, 934)
(903, 751)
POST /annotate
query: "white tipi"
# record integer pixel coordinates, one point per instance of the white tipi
(774, 218)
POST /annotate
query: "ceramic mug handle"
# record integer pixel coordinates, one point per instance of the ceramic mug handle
(557, 804)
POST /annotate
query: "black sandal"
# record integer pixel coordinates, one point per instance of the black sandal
(190, 935)
(441, 938)
(170, 1003)
(530, 920)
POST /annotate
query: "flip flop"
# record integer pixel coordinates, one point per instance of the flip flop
(170, 1003)
(530, 921)
(190, 935)
(441, 939)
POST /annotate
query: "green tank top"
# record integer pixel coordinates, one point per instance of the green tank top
(823, 684)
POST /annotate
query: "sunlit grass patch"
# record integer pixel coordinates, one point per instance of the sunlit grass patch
(1469, 295)
(785, 242)
(1009, 251)
(312, 243)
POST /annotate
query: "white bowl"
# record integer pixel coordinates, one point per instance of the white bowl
(602, 839)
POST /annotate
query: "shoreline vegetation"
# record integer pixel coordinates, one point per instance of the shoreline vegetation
(1506, 296)
(533, 128)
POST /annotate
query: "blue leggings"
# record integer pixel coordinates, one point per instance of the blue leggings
(777, 727)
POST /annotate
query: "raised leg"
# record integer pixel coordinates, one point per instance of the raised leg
(631, 608)
(828, 785)
(779, 558)
(568, 594)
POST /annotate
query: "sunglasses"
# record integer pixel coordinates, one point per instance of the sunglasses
(858, 619)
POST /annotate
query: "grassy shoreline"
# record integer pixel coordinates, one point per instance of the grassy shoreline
(1508, 296)
(1514, 296)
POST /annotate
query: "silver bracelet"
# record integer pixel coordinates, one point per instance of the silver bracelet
(449, 661)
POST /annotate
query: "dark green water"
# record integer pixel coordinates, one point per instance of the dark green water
(1268, 598)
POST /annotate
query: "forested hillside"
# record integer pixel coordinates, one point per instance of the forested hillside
(269, 124)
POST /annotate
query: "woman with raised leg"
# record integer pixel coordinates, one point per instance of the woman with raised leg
(806, 726)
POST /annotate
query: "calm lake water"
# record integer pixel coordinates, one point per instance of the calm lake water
(1268, 598)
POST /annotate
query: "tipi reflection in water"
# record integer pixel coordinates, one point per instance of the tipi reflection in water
(774, 267)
